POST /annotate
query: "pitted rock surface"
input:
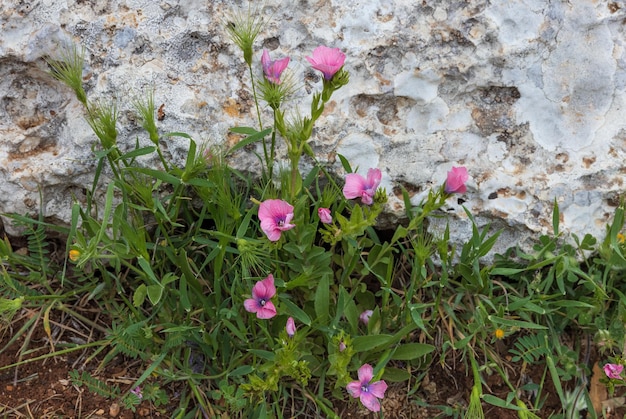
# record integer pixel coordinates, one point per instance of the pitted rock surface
(529, 95)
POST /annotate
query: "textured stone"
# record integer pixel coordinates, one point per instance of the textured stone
(527, 94)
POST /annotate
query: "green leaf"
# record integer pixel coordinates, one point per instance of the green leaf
(256, 136)
(139, 152)
(556, 379)
(243, 370)
(555, 218)
(506, 271)
(145, 265)
(155, 292)
(496, 401)
(157, 174)
(244, 130)
(139, 296)
(395, 375)
(410, 351)
(370, 342)
(296, 311)
(345, 163)
(515, 323)
(270, 356)
(322, 299)
(178, 134)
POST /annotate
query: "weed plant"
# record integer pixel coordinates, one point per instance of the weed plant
(269, 297)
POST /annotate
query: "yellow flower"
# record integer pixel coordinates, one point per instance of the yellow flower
(74, 255)
(621, 238)
(499, 333)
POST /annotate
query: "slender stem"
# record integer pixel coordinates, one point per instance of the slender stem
(256, 99)
(82, 318)
(56, 353)
(268, 163)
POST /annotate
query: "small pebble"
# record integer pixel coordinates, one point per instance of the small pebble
(114, 410)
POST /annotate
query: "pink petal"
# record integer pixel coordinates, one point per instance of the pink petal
(367, 198)
(265, 60)
(324, 215)
(271, 230)
(455, 182)
(327, 60)
(366, 372)
(259, 291)
(373, 178)
(281, 65)
(290, 327)
(271, 212)
(267, 311)
(251, 305)
(270, 289)
(354, 388)
(354, 187)
(378, 389)
(365, 316)
(370, 402)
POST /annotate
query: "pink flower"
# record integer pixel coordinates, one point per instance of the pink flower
(342, 346)
(261, 303)
(273, 69)
(324, 214)
(455, 183)
(327, 60)
(369, 393)
(613, 370)
(137, 392)
(290, 327)
(365, 316)
(275, 216)
(359, 187)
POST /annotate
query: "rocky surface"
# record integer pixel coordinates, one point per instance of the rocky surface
(527, 94)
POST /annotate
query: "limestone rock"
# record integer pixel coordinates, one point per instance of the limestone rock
(526, 94)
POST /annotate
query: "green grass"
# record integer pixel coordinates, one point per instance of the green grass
(171, 254)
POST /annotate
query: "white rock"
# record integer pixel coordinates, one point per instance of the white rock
(527, 94)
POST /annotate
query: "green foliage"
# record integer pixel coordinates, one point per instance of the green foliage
(172, 253)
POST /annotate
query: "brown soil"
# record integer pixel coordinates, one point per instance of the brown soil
(43, 389)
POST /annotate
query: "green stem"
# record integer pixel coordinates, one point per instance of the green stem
(56, 353)
(82, 318)
(258, 114)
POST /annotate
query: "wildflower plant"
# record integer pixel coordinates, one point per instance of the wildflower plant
(256, 292)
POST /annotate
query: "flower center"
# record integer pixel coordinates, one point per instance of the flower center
(262, 302)
(280, 223)
(365, 388)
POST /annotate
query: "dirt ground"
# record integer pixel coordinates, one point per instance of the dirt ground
(43, 389)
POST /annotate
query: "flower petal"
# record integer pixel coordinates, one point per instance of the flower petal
(354, 388)
(271, 230)
(366, 372)
(354, 187)
(290, 327)
(370, 402)
(266, 61)
(324, 215)
(374, 177)
(378, 389)
(327, 60)
(270, 289)
(267, 311)
(259, 292)
(455, 182)
(367, 198)
(251, 305)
